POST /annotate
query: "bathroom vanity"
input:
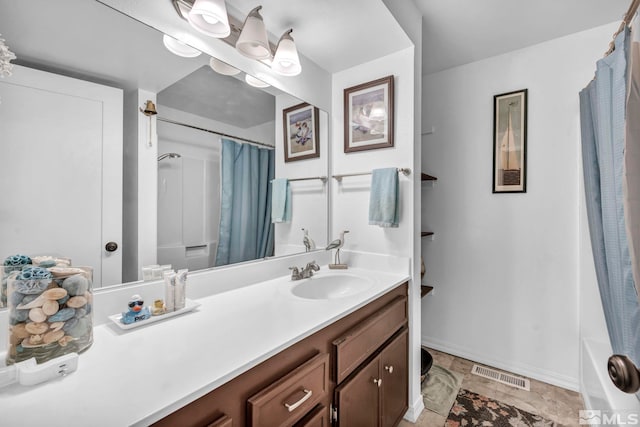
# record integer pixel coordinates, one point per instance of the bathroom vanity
(245, 352)
(354, 371)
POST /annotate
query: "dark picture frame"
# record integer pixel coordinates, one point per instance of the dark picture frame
(510, 142)
(369, 115)
(301, 127)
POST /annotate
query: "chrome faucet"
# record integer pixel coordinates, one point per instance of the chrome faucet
(309, 269)
(306, 272)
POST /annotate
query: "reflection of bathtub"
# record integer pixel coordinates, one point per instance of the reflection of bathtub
(192, 257)
(598, 391)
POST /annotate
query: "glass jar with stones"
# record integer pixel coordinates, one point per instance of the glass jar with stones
(50, 312)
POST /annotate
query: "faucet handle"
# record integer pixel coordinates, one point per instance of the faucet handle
(312, 265)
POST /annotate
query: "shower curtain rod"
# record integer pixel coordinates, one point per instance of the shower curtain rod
(628, 17)
(162, 119)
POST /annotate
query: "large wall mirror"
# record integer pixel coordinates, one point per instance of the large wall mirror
(57, 133)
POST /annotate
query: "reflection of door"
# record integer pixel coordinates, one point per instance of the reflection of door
(61, 175)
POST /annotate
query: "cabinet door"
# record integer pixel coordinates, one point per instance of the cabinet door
(395, 380)
(357, 398)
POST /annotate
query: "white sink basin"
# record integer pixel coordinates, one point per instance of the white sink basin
(331, 286)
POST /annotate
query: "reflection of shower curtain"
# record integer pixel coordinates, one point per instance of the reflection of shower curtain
(246, 231)
(602, 110)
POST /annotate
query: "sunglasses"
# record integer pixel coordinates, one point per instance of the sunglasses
(133, 304)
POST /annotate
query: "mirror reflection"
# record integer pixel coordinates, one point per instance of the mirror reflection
(189, 186)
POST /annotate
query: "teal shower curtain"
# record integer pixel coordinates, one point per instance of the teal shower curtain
(246, 231)
(602, 117)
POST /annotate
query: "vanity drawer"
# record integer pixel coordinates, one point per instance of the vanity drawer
(223, 421)
(319, 417)
(362, 341)
(288, 399)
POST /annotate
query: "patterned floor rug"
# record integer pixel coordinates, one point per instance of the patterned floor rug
(471, 409)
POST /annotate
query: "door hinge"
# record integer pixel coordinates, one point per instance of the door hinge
(334, 414)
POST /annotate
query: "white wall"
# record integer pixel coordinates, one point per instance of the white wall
(350, 198)
(506, 266)
(139, 240)
(309, 209)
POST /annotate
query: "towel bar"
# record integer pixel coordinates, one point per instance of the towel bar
(321, 178)
(338, 177)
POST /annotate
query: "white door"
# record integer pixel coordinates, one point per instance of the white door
(61, 170)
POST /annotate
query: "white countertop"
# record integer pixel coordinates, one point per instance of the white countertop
(138, 376)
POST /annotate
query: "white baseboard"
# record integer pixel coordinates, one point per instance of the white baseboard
(526, 370)
(415, 409)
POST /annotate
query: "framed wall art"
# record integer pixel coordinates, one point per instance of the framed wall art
(510, 142)
(368, 115)
(300, 132)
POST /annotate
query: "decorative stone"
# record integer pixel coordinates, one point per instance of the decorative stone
(52, 336)
(80, 312)
(33, 341)
(36, 302)
(76, 285)
(56, 325)
(37, 315)
(21, 315)
(80, 329)
(62, 315)
(16, 298)
(63, 300)
(54, 293)
(65, 340)
(88, 308)
(47, 263)
(65, 271)
(20, 330)
(36, 328)
(50, 307)
(76, 302)
(69, 324)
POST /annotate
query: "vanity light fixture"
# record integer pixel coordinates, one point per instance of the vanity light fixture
(210, 18)
(255, 82)
(222, 67)
(253, 41)
(249, 38)
(176, 47)
(286, 60)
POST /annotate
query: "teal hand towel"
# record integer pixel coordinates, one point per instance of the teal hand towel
(383, 201)
(281, 200)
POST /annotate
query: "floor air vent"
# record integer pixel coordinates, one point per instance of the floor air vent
(501, 377)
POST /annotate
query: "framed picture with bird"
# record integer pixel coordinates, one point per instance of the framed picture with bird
(301, 132)
(368, 115)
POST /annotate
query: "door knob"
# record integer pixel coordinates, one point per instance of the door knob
(623, 373)
(389, 369)
(111, 246)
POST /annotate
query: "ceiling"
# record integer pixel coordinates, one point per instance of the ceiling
(457, 32)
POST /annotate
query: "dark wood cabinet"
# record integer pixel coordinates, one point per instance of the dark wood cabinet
(333, 355)
(377, 393)
(319, 417)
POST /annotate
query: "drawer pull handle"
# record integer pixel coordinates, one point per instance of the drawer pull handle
(307, 395)
(389, 369)
(378, 382)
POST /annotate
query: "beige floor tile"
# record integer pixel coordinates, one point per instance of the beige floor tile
(555, 403)
(443, 360)
(426, 419)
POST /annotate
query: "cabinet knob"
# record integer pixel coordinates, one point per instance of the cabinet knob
(389, 369)
(377, 381)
